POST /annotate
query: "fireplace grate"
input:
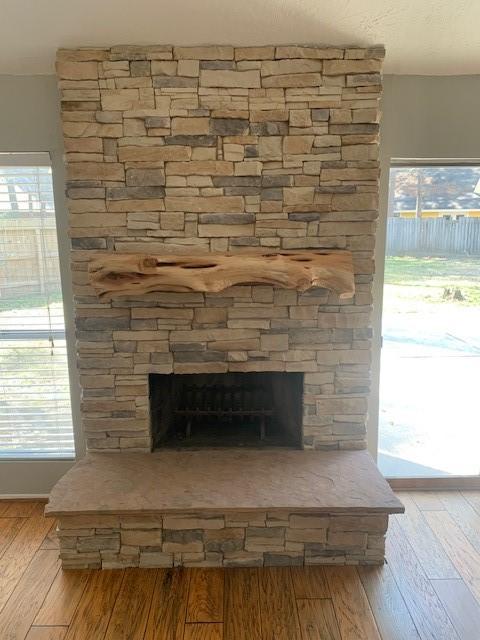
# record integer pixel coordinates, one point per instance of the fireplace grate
(225, 402)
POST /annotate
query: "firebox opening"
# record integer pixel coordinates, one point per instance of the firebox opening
(261, 409)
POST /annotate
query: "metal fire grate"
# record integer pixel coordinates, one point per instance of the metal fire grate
(225, 403)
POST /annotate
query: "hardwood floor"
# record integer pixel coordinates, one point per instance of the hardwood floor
(428, 590)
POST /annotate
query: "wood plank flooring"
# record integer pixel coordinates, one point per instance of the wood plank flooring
(428, 590)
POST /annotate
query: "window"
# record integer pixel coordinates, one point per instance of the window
(431, 322)
(35, 410)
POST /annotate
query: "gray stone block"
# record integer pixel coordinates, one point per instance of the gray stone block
(228, 126)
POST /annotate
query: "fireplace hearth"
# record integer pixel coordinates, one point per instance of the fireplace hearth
(261, 409)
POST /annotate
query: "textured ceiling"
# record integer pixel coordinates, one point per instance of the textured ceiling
(440, 37)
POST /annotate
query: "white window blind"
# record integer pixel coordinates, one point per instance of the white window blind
(35, 410)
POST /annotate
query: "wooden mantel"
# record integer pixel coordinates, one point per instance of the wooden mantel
(119, 274)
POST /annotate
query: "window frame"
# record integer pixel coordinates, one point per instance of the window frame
(386, 163)
(36, 476)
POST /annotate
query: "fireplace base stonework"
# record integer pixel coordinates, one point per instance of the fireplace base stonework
(233, 539)
(222, 508)
(221, 150)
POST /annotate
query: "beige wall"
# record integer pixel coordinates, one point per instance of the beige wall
(423, 116)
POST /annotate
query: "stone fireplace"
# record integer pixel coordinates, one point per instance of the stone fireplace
(195, 151)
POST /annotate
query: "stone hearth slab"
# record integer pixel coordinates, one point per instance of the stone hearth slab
(222, 481)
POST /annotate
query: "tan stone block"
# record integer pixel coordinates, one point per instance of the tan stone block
(274, 342)
(298, 195)
(86, 206)
(92, 130)
(106, 223)
(225, 230)
(327, 141)
(295, 80)
(300, 118)
(193, 521)
(341, 67)
(164, 68)
(138, 206)
(237, 356)
(95, 171)
(290, 66)
(149, 538)
(245, 518)
(83, 54)
(142, 52)
(235, 345)
(257, 365)
(158, 312)
(257, 312)
(181, 547)
(89, 522)
(270, 147)
(322, 53)
(360, 152)
(172, 221)
(200, 168)
(248, 168)
(308, 521)
(154, 154)
(297, 144)
(365, 115)
(209, 335)
(347, 539)
(210, 315)
(140, 335)
(340, 116)
(234, 152)
(203, 53)
(306, 535)
(268, 115)
(141, 522)
(77, 70)
(254, 53)
(243, 559)
(319, 378)
(345, 406)
(348, 174)
(124, 100)
(204, 367)
(233, 112)
(305, 313)
(188, 68)
(190, 126)
(83, 145)
(233, 79)
(214, 204)
(151, 559)
(158, 346)
(374, 524)
(260, 538)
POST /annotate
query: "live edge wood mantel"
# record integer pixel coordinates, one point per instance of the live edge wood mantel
(117, 274)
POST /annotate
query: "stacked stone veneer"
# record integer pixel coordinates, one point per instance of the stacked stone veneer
(216, 540)
(197, 149)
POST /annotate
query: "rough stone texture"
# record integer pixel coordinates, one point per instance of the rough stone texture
(217, 480)
(197, 149)
(237, 539)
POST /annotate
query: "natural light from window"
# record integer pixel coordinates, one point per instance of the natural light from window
(430, 369)
(35, 411)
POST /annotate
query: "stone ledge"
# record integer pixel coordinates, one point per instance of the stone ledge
(223, 481)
